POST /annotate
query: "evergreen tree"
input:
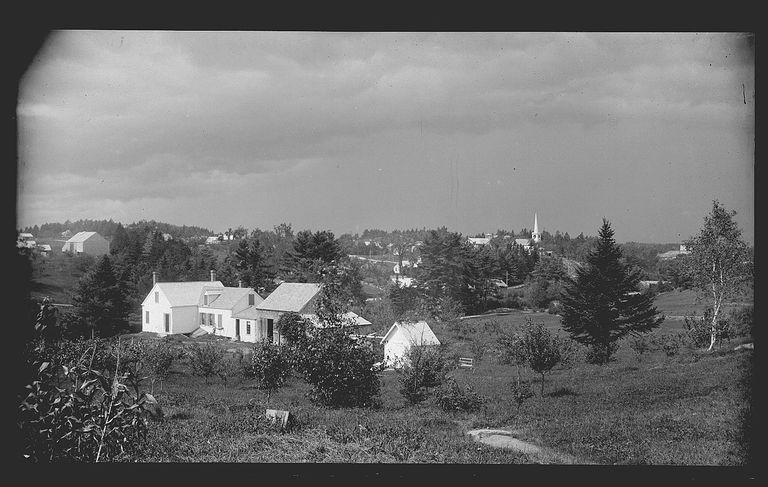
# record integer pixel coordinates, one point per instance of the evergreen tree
(101, 299)
(600, 305)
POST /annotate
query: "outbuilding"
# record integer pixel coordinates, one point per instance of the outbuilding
(402, 336)
(90, 243)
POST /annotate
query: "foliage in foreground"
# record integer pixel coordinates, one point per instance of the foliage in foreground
(73, 411)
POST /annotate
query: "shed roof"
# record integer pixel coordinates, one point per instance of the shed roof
(418, 333)
(523, 241)
(185, 293)
(82, 236)
(290, 296)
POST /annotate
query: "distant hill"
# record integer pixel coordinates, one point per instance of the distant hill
(107, 228)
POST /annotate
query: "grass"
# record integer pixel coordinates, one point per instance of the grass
(687, 409)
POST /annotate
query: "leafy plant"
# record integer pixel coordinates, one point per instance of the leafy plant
(206, 360)
(93, 417)
(339, 368)
(269, 365)
(455, 398)
(521, 391)
(424, 366)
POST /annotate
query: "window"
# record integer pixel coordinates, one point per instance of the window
(146, 317)
(157, 297)
(220, 321)
(202, 318)
(251, 300)
(167, 323)
(205, 300)
(247, 327)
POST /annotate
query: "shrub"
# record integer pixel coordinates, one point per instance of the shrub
(269, 365)
(537, 348)
(339, 368)
(641, 345)
(521, 391)
(478, 348)
(600, 353)
(424, 366)
(670, 344)
(206, 360)
(742, 320)
(455, 398)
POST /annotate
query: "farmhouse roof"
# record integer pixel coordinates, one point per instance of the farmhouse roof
(185, 293)
(227, 297)
(290, 296)
(418, 333)
(82, 236)
(479, 240)
(523, 241)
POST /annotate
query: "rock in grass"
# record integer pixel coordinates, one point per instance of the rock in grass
(745, 346)
(152, 407)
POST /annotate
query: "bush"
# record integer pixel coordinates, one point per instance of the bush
(269, 365)
(206, 360)
(742, 320)
(339, 368)
(537, 348)
(601, 353)
(424, 366)
(641, 345)
(521, 391)
(670, 344)
(455, 398)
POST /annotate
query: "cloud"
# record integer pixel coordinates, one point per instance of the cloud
(156, 116)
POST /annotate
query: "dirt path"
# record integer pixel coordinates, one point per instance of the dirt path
(505, 439)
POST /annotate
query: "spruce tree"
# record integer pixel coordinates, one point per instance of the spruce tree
(601, 304)
(101, 299)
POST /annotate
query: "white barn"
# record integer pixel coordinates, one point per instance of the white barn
(90, 243)
(402, 336)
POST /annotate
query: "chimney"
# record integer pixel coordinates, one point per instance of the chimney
(239, 283)
(212, 275)
(154, 278)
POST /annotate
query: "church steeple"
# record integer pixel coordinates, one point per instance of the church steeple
(536, 236)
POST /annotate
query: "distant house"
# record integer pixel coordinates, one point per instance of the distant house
(402, 336)
(25, 240)
(212, 240)
(44, 249)
(90, 243)
(479, 241)
(672, 254)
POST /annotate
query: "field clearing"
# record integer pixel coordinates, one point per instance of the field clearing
(686, 409)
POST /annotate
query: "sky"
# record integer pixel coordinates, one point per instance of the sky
(347, 131)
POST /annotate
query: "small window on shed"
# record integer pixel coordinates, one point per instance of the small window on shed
(157, 297)
(247, 327)
(251, 300)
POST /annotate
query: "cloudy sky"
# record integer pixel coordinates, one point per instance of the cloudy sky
(348, 131)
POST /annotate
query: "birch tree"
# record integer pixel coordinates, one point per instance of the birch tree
(719, 262)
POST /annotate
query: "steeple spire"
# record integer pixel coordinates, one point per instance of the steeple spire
(535, 235)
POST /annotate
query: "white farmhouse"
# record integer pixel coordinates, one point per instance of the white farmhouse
(402, 336)
(234, 312)
(90, 243)
(183, 307)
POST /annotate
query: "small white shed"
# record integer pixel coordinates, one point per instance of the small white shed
(402, 336)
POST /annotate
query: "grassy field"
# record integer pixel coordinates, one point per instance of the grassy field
(686, 409)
